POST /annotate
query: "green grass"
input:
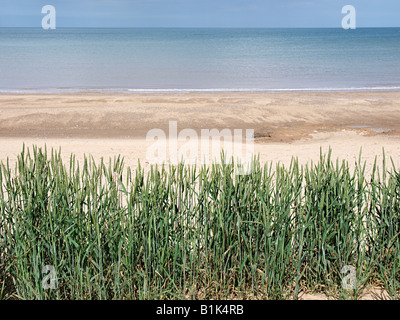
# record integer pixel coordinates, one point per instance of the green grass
(195, 233)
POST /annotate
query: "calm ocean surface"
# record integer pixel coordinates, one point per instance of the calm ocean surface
(162, 60)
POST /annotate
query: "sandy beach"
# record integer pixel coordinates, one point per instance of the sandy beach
(102, 102)
(285, 124)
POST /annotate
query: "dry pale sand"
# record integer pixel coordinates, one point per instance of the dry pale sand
(285, 124)
(369, 293)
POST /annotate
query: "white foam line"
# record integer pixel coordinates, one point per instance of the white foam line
(264, 90)
(131, 90)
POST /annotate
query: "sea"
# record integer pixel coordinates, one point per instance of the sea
(136, 60)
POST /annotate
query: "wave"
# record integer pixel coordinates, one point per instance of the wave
(391, 88)
(180, 90)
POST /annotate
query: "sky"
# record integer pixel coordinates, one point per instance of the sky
(200, 13)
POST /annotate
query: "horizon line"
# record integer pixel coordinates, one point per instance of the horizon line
(189, 27)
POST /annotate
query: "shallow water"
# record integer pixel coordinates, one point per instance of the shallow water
(170, 60)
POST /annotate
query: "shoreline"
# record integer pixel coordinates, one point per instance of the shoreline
(127, 91)
(285, 124)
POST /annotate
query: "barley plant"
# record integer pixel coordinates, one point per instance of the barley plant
(187, 232)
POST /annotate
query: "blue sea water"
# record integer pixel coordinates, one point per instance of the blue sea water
(185, 59)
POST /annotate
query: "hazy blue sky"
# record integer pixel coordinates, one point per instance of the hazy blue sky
(200, 13)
